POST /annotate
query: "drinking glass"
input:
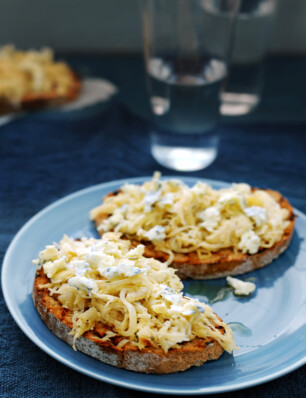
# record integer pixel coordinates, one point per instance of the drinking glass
(252, 31)
(186, 47)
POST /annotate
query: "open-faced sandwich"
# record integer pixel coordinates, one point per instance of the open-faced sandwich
(109, 301)
(33, 80)
(202, 232)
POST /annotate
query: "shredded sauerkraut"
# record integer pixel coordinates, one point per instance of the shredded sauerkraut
(177, 218)
(140, 299)
(31, 72)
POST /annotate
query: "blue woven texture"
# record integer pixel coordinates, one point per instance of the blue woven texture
(45, 159)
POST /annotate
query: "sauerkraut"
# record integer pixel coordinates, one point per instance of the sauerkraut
(182, 219)
(139, 298)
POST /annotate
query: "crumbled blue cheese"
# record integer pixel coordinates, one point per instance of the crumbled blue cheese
(126, 269)
(232, 198)
(49, 254)
(95, 259)
(249, 242)
(80, 267)
(170, 294)
(150, 199)
(256, 213)
(180, 309)
(111, 222)
(166, 200)
(110, 248)
(178, 306)
(241, 288)
(51, 268)
(109, 272)
(188, 308)
(135, 253)
(156, 233)
(199, 307)
(83, 283)
(211, 218)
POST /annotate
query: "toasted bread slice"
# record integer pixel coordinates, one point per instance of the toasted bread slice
(34, 101)
(148, 360)
(33, 79)
(224, 262)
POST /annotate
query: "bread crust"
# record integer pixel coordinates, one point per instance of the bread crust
(147, 360)
(34, 101)
(224, 262)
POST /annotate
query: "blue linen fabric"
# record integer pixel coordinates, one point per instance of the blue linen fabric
(43, 160)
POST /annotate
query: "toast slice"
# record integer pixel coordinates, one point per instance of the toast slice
(32, 80)
(150, 358)
(220, 263)
(35, 101)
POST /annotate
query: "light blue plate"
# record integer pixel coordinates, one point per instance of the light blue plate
(270, 325)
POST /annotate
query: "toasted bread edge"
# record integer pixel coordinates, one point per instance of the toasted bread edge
(36, 101)
(148, 360)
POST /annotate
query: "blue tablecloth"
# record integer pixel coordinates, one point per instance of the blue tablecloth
(45, 158)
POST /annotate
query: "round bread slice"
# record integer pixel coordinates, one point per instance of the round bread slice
(148, 360)
(224, 262)
(35, 101)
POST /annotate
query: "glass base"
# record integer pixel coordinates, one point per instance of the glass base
(235, 104)
(184, 152)
(183, 159)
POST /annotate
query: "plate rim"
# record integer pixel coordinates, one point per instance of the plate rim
(38, 342)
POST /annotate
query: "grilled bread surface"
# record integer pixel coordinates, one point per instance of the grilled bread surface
(147, 360)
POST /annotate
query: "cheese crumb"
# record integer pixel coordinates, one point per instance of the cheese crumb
(249, 242)
(83, 283)
(241, 288)
(257, 213)
(211, 218)
(232, 198)
(156, 233)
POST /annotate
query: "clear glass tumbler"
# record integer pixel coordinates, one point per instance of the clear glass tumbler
(186, 47)
(252, 32)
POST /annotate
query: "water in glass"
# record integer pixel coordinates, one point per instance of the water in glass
(185, 100)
